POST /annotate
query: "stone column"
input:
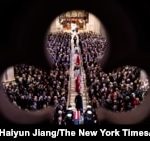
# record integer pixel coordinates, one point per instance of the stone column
(8, 75)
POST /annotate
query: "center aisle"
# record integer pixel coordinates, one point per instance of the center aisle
(73, 76)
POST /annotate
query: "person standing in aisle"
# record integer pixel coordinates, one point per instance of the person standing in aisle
(79, 102)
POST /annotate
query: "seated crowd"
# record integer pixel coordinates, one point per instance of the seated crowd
(35, 88)
(120, 90)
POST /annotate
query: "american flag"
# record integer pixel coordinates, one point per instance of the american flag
(77, 115)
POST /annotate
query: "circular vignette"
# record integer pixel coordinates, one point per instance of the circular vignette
(36, 23)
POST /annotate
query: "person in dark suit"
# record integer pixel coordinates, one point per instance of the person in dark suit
(78, 102)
